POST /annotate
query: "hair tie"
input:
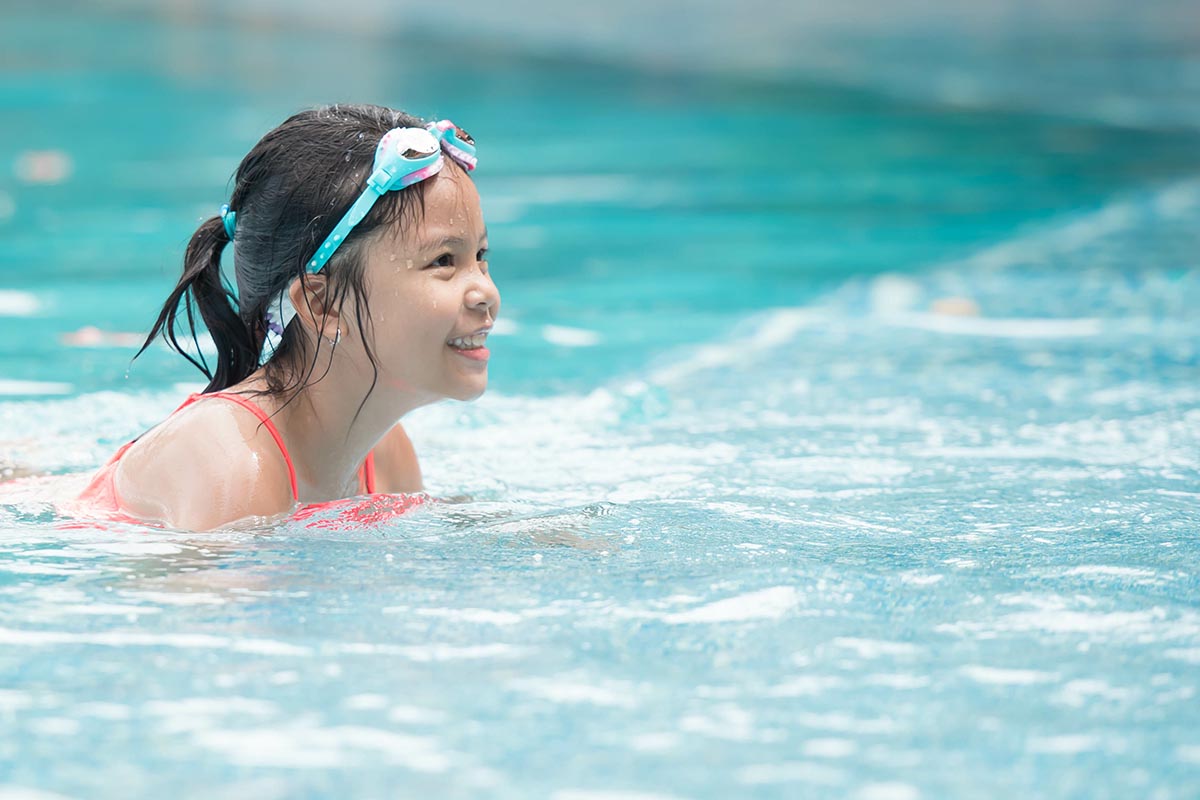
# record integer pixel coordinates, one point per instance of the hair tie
(230, 219)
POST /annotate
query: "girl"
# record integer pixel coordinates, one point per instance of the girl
(362, 292)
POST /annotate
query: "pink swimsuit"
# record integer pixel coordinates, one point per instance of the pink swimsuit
(100, 496)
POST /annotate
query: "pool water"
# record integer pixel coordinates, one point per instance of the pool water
(836, 445)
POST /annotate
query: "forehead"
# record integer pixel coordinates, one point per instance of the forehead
(451, 211)
(451, 208)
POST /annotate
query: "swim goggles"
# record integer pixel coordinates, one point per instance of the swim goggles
(403, 157)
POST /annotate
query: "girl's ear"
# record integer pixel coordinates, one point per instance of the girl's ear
(315, 308)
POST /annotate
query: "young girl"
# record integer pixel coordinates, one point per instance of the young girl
(362, 292)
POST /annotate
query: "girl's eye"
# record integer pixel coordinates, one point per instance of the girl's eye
(444, 260)
(481, 255)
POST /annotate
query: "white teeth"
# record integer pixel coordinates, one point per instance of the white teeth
(469, 342)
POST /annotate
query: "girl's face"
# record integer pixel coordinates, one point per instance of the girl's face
(429, 285)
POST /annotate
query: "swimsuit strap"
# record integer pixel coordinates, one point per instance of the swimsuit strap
(368, 473)
(266, 421)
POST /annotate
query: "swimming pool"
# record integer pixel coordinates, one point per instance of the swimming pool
(864, 466)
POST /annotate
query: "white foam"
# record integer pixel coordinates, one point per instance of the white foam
(202, 345)
(365, 702)
(485, 616)
(1118, 572)
(13, 792)
(791, 772)
(919, 579)
(103, 710)
(14, 700)
(1007, 677)
(15, 388)
(1085, 691)
(431, 652)
(745, 511)
(830, 748)
(726, 721)
(14, 303)
(1151, 620)
(304, 745)
(876, 648)
(210, 707)
(177, 598)
(770, 603)
(1065, 745)
(185, 641)
(569, 337)
(899, 680)
(655, 742)
(1188, 753)
(1178, 199)
(1075, 231)
(54, 726)
(34, 568)
(845, 723)
(133, 548)
(504, 327)
(806, 686)
(188, 715)
(891, 293)
(609, 794)
(410, 715)
(613, 694)
(999, 328)
(772, 329)
(106, 609)
(1189, 654)
(888, 790)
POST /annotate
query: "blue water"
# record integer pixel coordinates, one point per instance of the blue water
(837, 445)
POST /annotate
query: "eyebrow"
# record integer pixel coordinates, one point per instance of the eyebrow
(452, 241)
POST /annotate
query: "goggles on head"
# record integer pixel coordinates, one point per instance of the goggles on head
(404, 156)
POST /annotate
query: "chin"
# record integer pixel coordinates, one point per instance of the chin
(468, 393)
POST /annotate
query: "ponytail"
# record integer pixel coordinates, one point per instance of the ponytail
(201, 288)
(289, 190)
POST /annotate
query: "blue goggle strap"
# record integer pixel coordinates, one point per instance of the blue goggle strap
(395, 172)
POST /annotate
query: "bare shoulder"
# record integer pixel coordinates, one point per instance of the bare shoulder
(207, 465)
(396, 467)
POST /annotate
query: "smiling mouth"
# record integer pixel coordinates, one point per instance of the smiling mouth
(473, 342)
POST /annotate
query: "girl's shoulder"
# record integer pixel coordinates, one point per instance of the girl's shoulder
(396, 467)
(210, 462)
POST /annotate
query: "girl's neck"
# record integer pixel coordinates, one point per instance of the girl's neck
(327, 434)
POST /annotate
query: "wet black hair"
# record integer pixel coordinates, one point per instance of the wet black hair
(289, 192)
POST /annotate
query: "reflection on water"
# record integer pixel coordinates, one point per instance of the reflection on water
(859, 463)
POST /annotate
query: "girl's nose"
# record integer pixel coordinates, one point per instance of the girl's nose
(483, 295)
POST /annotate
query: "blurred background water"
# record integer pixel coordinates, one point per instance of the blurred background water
(841, 437)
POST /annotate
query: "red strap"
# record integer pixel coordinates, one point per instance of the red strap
(266, 421)
(368, 473)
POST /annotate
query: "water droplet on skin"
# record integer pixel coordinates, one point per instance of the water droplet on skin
(392, 257)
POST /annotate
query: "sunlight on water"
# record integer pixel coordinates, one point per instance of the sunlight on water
(861, 475)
